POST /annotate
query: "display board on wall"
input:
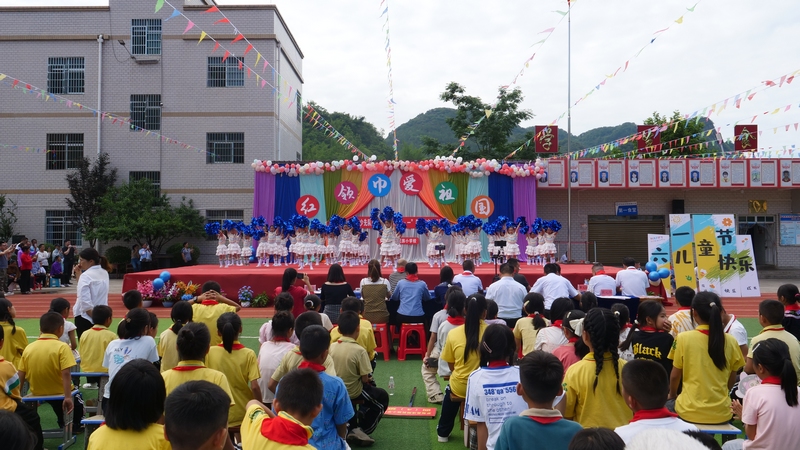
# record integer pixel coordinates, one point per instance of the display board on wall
(790, 229)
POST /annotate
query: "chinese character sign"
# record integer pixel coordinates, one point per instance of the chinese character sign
(482, 207)
(379, 185)
(346, 192)
(546, 139)
(650, 139)
(411, 183)
(658, 252)
(446, 192)
(745, 137)
(746, 265)
(725, 229)
(681, 237)
(308, 206)
(705, 238)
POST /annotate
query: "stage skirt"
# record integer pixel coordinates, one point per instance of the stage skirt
(222, 250)
(548, 249)
(234, 249)
(247, 251)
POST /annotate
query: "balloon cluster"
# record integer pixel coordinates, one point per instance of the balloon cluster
(654, 273)
(158, 283)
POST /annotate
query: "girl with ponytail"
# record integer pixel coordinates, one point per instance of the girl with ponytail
(770, 413)
(134, 343)
(167, 343)
(575, 349)
(592, 393)
(461, 354)
(649, 338)
(239, 365)
(789, 295)
(16, 340)
(707, 360)
(527, 328)
(552, 337)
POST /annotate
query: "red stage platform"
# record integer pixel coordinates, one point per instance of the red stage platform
(266, 279)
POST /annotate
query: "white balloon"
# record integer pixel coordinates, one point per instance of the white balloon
(538, 176)
(355, 157)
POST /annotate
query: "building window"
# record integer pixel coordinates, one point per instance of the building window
(153, 176)
(225, 74)
(298, 100)
(146, 112)
(64, 151)
(146, 36)
(65, 75)
(225, 148)
(61, 226)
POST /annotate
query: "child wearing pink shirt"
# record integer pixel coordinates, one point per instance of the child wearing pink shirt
(576, 349)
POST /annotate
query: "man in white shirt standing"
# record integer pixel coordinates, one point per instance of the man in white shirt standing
(553, 286)
(600, 283)
(508, 294)
(632, 281)
(145, 256)
(470, 284)
(92, 289)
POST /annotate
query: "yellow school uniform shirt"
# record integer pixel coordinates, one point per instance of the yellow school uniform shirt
(259, 432)
(10, 383)
(525, 332)
(681, 321)
(168, 350)
(351, 362)
(778, 332)
(14, 344)
(705, 397)
(293, 359)
(208, 314)
(366, 337)
(42, 361)
(194, 371)
(453, 352)
(93, 347)
(151, 438)
(240, 367)
(600, 407)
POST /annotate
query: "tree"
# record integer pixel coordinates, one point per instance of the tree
(131, 212)
(319, 146)
(8, 217)
(87, 185)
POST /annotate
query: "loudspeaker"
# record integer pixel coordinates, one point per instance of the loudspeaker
(677, 207)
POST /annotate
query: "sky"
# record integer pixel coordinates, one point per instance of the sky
(722, 48)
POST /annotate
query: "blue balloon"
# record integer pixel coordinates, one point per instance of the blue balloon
(654, 276)
(651, 267)
(158, 284)
(164, 276)
(664, 273)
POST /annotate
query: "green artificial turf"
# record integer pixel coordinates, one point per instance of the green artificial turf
(390, 434)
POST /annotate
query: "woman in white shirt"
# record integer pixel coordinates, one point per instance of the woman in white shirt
(42, 257)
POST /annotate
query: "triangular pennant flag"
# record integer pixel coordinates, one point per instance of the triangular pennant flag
(175, 13)
(249, 47)
(212, 9)
(263, 83)
(549, 30)
(223, 20)
(679, 20)
(159, 5)
(202, 36)
(225, 56)
(216, 46)
(238, 38)
(240, 65)
(189, 26)
(265, 68)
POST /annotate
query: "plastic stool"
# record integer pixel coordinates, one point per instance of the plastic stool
(384, 341)
(55, 282)
(405, 330)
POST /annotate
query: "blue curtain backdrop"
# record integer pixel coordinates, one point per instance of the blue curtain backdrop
(314, 186)
(476, 187)
(501, 191)
(287, 191)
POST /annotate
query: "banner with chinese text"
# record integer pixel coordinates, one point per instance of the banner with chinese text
(725, 229)
(681, 238)
(748, 275)
(705, 239)
(659, 253)
(546, 139)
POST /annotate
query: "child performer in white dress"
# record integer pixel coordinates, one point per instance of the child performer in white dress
(387, 224)
(247, 245)
(215, 229)
(234, 249)
(329, 233)
(512, 236)
(273, 237)
(459, 243)
(474, 239)
(550, 232)
(532, 241)
(286, 232)
(363, 247)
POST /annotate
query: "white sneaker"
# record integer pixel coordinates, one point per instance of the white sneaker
(9, 293)
(443, 438)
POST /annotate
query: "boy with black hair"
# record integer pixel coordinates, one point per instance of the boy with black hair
(291, 360)
(645, 387)
(272, 352)
(770, 316)
(366, 335)
(95, 340)
(354, 368)
(540, 426)
(681, 320)
(298, 403)
(46, 364)
(209, 305)
(12, 401)
(132, 299)
(196, 417)
(283, 302)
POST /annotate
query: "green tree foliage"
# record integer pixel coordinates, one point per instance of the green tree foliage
(131, 212)
(317, 146)
(431, 124)
(683, 129)
(8, 217)
(88, 183)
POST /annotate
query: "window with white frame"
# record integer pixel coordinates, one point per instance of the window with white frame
(66, 75)
(145, 112)
(225, 148)
(228, 73)
(146, 36)
(64, 151)
(62, 225)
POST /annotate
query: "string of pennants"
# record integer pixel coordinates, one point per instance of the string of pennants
(319, 122)
(390, 101)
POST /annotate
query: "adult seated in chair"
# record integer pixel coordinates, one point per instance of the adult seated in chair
(411, 292)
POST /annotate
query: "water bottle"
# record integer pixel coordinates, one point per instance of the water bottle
(391, 385)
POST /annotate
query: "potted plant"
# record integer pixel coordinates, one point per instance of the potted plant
(184, 289)
(245, 296)
(146, 289)
(261, 300)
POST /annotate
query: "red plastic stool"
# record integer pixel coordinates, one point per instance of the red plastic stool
(405, 330)
(383, 339)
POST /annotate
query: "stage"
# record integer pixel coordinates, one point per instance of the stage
(266, 279)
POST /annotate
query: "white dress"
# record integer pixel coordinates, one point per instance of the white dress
(233, 245)
(222, 249)
(434, 238)
(491, 247)
(263, 247)
(512, 247)
(331, 247)
(549, 244)
(346, 244)
(474, 242)
(247, 246)
(390, 242)
(540, 247)
(531, 249)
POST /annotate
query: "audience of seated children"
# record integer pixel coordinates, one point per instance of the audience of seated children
(181, 314)
(735, 328)
(134, 343)
(11, 401)
(209, 305)
(94, 342)
(134, 410)
(298, 403)
(789, 295)
(596, 439)
(353, 366)
(313, 303)
(770, 316)
(491, 390)
(593, 396)
(706, 360)
(645, 386)
(460, 352)
(682, 319)
(46, 364)
(623, 314)
(15, 434)
(271, 352)
(430, 362)
(239, 365)
(527, 327)
(770, 412)
(196, 417)
(292, 359)
(650, 338)
(552, 337)
(539, 426)
(62, 306)
(16, 339)
(366, 336)
(455, 318)
(575, 349)
(491, 313)
(193, 345)
(283, 302)
(330, 425)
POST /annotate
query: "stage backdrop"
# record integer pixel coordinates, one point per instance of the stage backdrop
(412, 193)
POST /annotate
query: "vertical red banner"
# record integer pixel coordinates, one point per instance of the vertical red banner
(650, 138)
(746, 137)
(546, 139)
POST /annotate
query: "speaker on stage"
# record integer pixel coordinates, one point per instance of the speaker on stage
(677, 207)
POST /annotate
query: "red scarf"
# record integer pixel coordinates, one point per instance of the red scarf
(772, 380)
(557, 323)
(99, 329)
(703, 331)
(187, 368)
(235, 346)
(209, 302)
(455, 320)
(466, 273)
(313, 366)
(792, 307)
(495, 364)
(627, 325)
(771, 329)
(284, 431)
(280, 338)
(645, 414)
(684, 308)
(544, 420)
(533, 315)
(600, 272)
(401, 269)
(573, 339)
(412, 278)
(651, 329)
